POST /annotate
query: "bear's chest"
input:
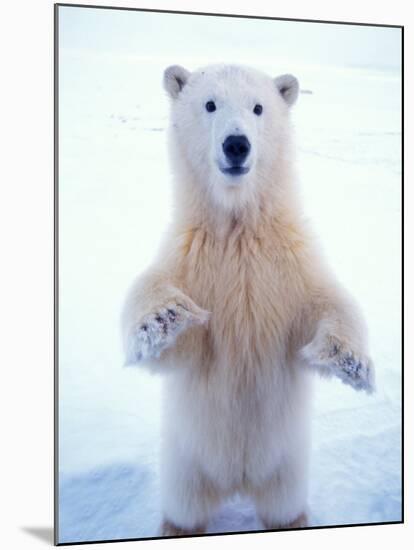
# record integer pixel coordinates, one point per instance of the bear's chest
(252, 287)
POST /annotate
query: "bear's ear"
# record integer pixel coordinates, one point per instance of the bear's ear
(175, 78)
(288, 87)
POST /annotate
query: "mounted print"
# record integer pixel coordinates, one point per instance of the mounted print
(228, 274)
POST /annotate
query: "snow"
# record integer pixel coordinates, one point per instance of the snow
(115, 196)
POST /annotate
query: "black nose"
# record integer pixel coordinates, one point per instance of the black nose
(236, 149)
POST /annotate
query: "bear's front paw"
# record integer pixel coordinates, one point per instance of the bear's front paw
(331, 357)
(159, 329)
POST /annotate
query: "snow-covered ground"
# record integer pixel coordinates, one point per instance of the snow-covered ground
(115, 195)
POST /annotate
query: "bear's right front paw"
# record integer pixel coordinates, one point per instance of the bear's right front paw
(158, 330)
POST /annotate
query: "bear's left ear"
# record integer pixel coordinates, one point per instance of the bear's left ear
(288, 87)
(175, 78)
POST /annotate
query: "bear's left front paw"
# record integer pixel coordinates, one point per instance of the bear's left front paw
(333, 358)
(355, 371)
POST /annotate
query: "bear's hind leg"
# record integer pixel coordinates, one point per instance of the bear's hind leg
(188, 499)
(282, 502)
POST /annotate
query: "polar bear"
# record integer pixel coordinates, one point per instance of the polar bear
(239, 307)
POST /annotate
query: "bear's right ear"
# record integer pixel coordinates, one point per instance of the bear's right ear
(175, 78)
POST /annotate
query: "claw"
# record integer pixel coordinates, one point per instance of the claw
(171, 314)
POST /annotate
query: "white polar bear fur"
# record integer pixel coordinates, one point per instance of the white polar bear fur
(238, 308)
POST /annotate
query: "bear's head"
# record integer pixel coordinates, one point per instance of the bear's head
(230, 129)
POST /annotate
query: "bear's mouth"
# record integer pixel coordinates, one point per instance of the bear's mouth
(235, 170)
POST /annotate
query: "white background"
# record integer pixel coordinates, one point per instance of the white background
(27, 268)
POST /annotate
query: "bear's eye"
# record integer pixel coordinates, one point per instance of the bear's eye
(210, 106)
(258, 109)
